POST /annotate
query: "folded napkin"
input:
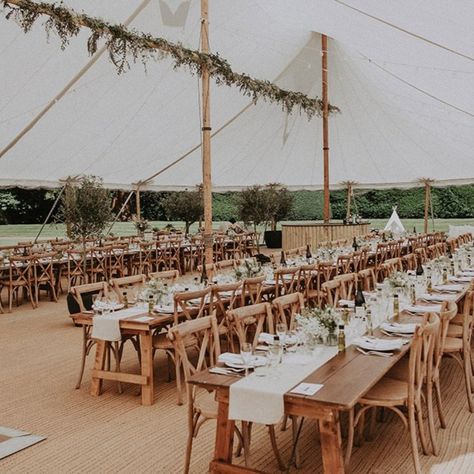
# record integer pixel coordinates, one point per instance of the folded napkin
(229, 358)
(461, 279)
(107, 327)
(467, 273)
(401, 328)
(164, 308)
(374, 344)
(449, 288)
(429, 308)
(438, 297)
(348, 303)
(266, 338)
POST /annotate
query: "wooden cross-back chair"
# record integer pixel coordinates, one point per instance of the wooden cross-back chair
(367, 277)
(21, 278)
(344, 264)
(247, 322)
(326, 270)
(251, 243)
(285, 309)
(82, 296)
(147, 257)
(76, 267)
(381, 254)
(235, 248)
(201, 404)
(396, 395)
(188, 305)
(172, 254)
(117, 260)
(120, 285)
(252, 290)
(409, 262)
(331, 292)
(309, 284)
(348, 283)
(44, 275)
(98, 259)
(286, 280)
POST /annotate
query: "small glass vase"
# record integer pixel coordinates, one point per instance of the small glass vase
(331, 339)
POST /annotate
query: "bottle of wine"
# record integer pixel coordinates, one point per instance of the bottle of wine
(413, 294)
(396, 307)
(419, 267)
(445, 276)
(125, 299)
(308, 253)
(429, 284)
(341, 339)
(359, 301)
(355, 246)
(414, 229)
(204, 277)
(370, 325)
(282, 259)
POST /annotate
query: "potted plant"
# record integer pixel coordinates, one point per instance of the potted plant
(279, 203)
(86, 210)
(184, 206)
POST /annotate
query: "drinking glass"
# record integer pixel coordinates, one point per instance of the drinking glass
(281, 332)
(246, 350)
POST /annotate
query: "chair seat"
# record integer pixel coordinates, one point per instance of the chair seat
(161, 341)
(400, 370)
(452, 344)
(206, 404)
(455, 330)
(387, 392)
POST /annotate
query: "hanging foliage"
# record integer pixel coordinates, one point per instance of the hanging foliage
(124, 45)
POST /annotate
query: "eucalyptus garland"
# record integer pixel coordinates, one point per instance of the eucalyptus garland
(124, 45)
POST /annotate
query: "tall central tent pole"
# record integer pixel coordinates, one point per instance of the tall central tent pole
(324, 48)
(206, 137)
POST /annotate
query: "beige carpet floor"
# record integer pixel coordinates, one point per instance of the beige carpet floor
(39, 361)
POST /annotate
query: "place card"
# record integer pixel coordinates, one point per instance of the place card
(307, 388)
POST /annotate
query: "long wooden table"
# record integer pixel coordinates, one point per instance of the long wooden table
(345, 378)
(144, 331)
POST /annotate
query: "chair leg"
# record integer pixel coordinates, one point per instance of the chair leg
(439, 403)
(431, 424)
(467, 377)
(117, 356)
(271, 432)
(192, 421)
(413, 436)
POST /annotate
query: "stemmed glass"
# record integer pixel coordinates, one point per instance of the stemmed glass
(246, 350)
(281, 332)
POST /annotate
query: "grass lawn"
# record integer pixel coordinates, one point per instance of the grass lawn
(10, 234)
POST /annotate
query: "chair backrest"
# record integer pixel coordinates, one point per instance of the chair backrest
(344, 263)
(83, 294)
(248, 322)
(286, 307)
(367, 277)
(348, 283)
(226, 264)
(20, 270)
(308, 279)
(226, 296)
(164, 275)
(192, 304)
(43, 266)
(326, 270)
(118, 284)
(252, 290)
(422, 352)
(286, 280)
(449, 311)
(205, 330)
(331, 289)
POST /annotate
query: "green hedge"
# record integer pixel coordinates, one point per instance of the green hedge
(20, 206)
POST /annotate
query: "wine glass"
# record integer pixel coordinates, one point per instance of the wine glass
(246, 350)
(281, 332)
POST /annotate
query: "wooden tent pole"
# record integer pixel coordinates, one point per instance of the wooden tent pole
(206, 137)
(427, 204)
(324, 47)
(138, 204)
(349, 200)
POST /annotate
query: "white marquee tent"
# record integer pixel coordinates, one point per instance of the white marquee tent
(402, 74)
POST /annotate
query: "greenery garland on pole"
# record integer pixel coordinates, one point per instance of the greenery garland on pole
(123, 44)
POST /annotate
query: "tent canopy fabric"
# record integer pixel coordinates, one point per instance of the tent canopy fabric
(401, 73)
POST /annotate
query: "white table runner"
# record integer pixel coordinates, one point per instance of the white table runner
(107, 327)
(260, 399)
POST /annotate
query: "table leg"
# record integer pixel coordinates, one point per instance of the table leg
(224, 434)
(146, 352)
(331, 444)
(96, 385)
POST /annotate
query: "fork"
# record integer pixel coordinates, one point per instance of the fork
(375, 353)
